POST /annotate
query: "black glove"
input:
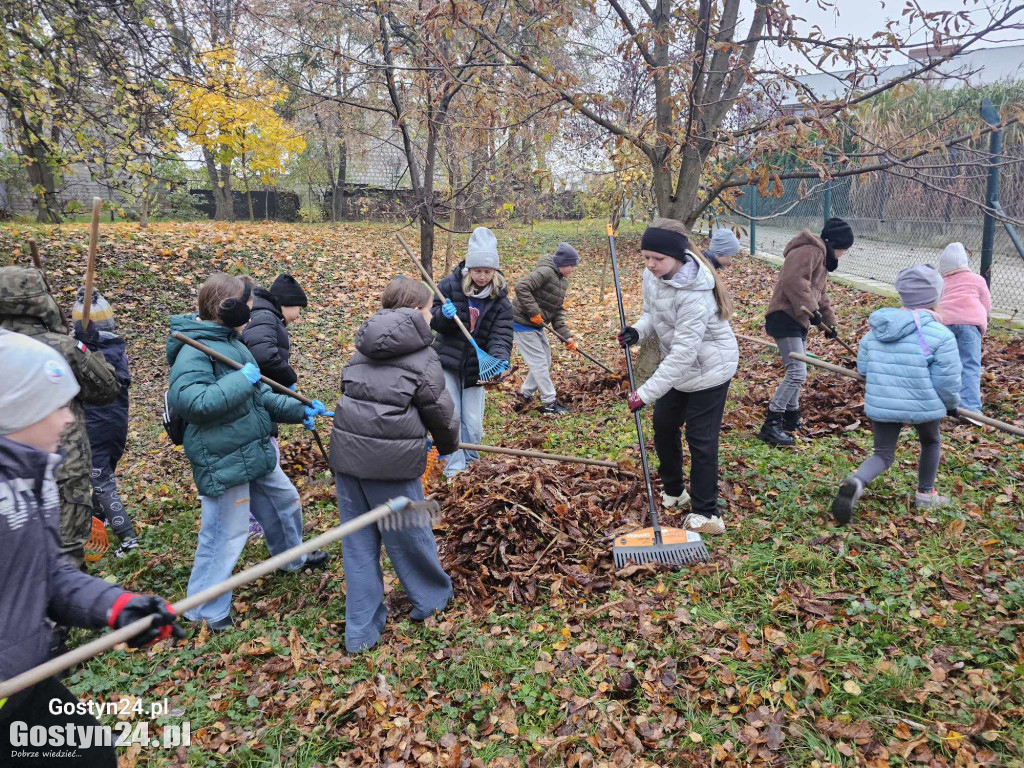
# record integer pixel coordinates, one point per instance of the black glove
(816, 318)
(130, 608)
(90, 336)
(831, 333)
(952, 413)
(628, 336)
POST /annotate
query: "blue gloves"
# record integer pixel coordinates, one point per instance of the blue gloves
(314, 410)
(252, 373)
(448, 309)
(430, 443)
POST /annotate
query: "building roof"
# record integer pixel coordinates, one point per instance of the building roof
(982, 66)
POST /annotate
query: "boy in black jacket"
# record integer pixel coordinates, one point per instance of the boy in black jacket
(37, 581)
(107, 425)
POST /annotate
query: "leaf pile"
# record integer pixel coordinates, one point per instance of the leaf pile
(509, 527)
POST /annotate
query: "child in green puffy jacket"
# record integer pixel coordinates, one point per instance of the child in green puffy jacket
(229, 414)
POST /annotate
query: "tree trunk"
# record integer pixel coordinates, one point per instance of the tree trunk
(427, 243)
(646, 360)
(339, 206)
(144, 205)
(40, 173)
(224, 206)
(248, 194)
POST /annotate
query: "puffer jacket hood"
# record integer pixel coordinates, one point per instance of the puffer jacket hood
(392, 333)
(698, 347)
(912, 377)
(891, 324)
(23, 294)
(227, 440)
(393, 394)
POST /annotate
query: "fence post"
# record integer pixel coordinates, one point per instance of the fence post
(995, 150)
(753, 222)
(826, 208)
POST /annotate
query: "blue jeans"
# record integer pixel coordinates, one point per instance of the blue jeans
(968, 342)
(413, 554)
(274, 502)
(469, 407)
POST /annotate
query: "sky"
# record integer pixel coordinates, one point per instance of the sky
(862, 18)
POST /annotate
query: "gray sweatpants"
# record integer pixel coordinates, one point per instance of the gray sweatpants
(413, 553)
(534, 347)
(787, 394)
(886, 436)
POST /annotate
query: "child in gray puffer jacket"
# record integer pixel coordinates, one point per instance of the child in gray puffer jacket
(393, 394)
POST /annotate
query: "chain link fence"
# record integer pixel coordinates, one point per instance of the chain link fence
(900, 218)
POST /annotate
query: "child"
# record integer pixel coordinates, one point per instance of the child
(393, 394)
(801, 283)
(913, 377)
(227, 441)
(539, 299)
(40, 583)
(266, 335)
(688, 309)
(478, 293)
(964, 309)
(26, 307)
(724, 245)
(107, 425)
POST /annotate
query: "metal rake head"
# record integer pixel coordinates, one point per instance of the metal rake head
(419, 514)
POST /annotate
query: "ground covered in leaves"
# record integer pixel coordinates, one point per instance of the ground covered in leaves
(895, 641)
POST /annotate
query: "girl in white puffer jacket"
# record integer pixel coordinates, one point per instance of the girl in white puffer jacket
(687, 307)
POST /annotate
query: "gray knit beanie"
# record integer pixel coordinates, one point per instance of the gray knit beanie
(920, 286)
(566, 256)
(34, 381)
(482, 250)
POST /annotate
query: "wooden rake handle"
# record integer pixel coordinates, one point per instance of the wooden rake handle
(106, 642)
(831, 329)
(1012, 429)
(90, 269)
(433, 285)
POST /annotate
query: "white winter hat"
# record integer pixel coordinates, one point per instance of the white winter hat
(954, 257)
(482, 250)
(34, 381)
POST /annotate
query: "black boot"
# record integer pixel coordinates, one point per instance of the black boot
(771, 431)
(791, 420)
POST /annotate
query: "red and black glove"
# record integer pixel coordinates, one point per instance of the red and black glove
(571, 345)
(634, 402)
(628, 336)
(129, 608)
(816, 318)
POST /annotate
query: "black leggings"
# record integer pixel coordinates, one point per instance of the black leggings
(33, 709)
(701, 412)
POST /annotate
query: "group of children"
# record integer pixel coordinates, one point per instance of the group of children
(920, 361)
(412, 382)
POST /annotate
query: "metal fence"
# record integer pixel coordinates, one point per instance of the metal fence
(899, 220)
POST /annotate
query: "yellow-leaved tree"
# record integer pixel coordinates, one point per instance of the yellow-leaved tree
(231, 115)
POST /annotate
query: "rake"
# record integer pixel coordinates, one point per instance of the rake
(669, 546)
(98, 544)
(490, 367)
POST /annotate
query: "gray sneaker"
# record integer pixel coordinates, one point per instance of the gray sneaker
(929, 500)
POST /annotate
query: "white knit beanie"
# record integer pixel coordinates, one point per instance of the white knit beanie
(954, 257)
(482, 250)
(34, 381)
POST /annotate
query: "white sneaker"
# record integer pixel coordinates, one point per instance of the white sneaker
(674, 501)
(929, 500)
(710, 525)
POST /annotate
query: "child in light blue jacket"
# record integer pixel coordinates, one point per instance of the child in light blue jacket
(912, 367)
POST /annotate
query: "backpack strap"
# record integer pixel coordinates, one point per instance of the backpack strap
(925, 349)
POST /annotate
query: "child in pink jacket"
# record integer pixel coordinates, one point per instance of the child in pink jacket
(964, 309)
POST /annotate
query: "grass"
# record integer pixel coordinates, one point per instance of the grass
(678, 665)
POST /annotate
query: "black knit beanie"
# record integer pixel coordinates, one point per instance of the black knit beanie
(837, 233)
(287, 291)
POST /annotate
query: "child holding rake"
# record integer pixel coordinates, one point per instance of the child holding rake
(912, 368)
(477, 293)
(393, 394)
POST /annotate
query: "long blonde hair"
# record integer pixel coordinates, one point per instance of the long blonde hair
(722, 296)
